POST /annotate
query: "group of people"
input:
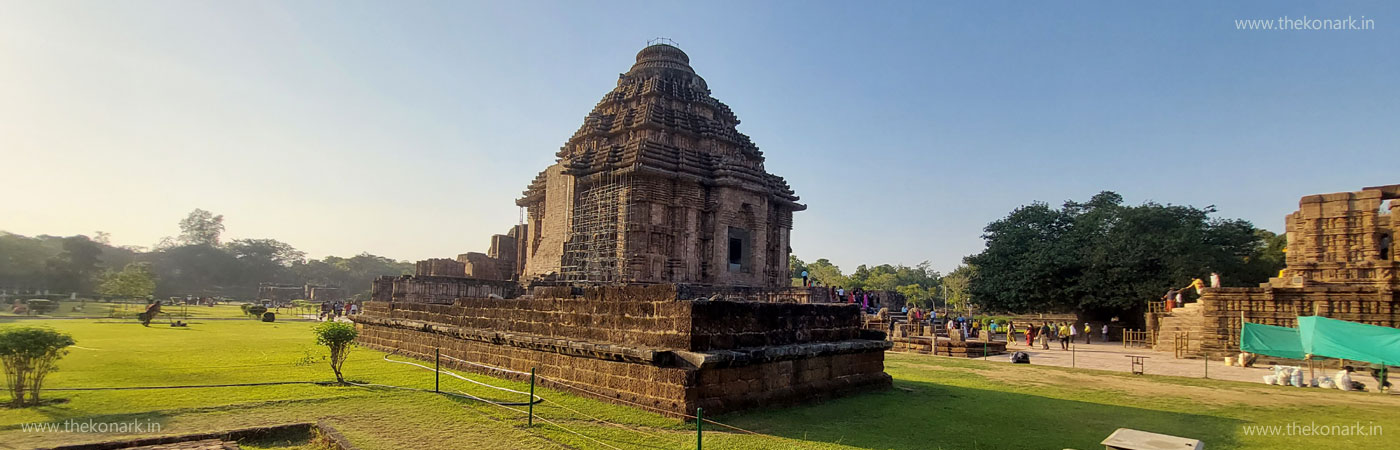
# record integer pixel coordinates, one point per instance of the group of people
(868, 301)
(1062, 332)
(332, 310)
(1173, 297)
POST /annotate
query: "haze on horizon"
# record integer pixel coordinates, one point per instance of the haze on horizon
(407, 130)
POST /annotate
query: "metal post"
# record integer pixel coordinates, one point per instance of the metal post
(437, 369)
(531, 420)
(699, 422)
(1207, 359)
(1071, 354)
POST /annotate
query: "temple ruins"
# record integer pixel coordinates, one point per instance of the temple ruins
(651, 268)
(1340, 264)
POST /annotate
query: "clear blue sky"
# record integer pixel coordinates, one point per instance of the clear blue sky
(406, 129)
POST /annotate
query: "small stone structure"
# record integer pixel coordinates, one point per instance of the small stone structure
(645, 345)
(1341, 264)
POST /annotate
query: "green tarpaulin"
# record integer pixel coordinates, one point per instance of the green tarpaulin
(1279, 342)
(1332, 338)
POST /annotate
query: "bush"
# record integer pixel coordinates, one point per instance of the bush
(244, 307)
(28, 355)
(257, 310)
(337, 336)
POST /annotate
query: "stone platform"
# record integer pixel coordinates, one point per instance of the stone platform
(646, 345)
(948, 347)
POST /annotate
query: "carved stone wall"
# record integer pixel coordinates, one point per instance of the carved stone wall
(640, 344)
(659, 186)
(1340, 264)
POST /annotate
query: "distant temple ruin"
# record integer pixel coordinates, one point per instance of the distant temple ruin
(651, 267)
(1341, 264)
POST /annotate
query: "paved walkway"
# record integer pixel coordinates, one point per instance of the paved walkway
(1113, 356)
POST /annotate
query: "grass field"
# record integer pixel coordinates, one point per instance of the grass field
(66, 309)
(936, 403)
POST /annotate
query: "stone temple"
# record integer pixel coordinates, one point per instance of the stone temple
(659, 186)
(651, 269)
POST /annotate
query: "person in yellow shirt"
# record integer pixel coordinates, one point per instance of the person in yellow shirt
(1064, 337)
(1088, 334)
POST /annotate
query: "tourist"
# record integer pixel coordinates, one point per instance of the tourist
(804, 279)
(1378, 371)
(1088, 334)
(1214, 280)
(1064, 335)
(1044, 335)
(1196, 284)
(1343, 380)
(1010, 333)
(840, 294)
(1105, 332)
(354, 308)
(1168, 299)
(1030, 334)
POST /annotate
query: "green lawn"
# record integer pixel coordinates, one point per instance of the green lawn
(104, 309)
(936, 403)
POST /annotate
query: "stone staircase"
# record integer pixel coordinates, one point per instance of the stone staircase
(1187, 319)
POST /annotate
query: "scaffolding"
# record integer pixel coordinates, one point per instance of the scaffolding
(592, 252)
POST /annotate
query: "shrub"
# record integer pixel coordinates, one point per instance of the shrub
(337, 336)
(257, 310)
(244, 307)
(28, 355)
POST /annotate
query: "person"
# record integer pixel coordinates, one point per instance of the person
(804, 279)
(1105, 332)
(1214, 280)
(325, 311)
(1196, 284)
(1088, 334)
(1010, 332)
(1065, 333)
(347, 309)
(1343, 379)
(1168, 299)
(1030, 334)
(152, 310)
(1044, 335)
(1378, 371)
(840, 294)
(354, 308)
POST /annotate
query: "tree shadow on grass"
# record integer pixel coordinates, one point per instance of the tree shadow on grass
(924, 415)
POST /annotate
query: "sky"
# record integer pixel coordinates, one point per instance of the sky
(407, 129)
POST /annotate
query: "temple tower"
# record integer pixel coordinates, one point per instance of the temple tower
(658, 186)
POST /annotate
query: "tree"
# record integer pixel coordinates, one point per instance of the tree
(29, 354)
(336, 336)
(201, 227)
(136, 280)
(827, 273)
(796, 266)
(1102, 258)
(956, 286)
(72, 269)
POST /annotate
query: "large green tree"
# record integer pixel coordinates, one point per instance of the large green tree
(136, 280)
(201, 227)
(74, 268)
(1101, 258)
